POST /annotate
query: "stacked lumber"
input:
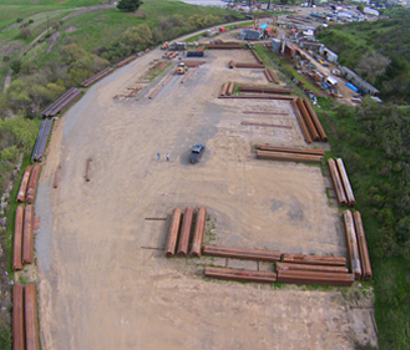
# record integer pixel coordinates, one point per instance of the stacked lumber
(32, 184)
(21, 196)
(224, 47)
(199, 232)
(231, 64)
(313, 259)
(124, 62)
(28, 237)
(18, 318)
(230, 89)
(173, 233)
(240, 275)
(302, 123)
(310, 151)
(224, 89)
(273, 76)
(247, 254)
(340, 179)
(364, 252)
(351, 201)
(308, 267)
(315, 119)
(288, 156)
(41, 140)
(97, 77)
(267, 75)
(257, 57)
(30, 313)
(18, 239)
(249, 65)
(266, 89)
(352, 246)
(185, 232)
(317, 278)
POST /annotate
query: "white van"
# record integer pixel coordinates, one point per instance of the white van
(332, 81)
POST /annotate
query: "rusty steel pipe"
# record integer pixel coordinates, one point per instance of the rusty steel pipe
(199, 232)
(273, 76)
(224, 47)
(261, 97)
(307, 267)
(97, 77)
(308, 120)
(194, 63)
(18, 239)
(352, 246)
(266, 89)
(267, 147)
(267, 125)
(18, 318)
(32, 184)
(124, 62)
(267, 76)
(30, 313)
(230, 89)
(224, 89)
(237, 253)
(173, 233)
(351, 201)
(231, 64)
(301, 121)
(315, 120)
(21, 196)
(337, 182)
(257, 57)
(188, 75)
(293, 157)
(56, 176)
(364, 252)
(185, 232)
(248, 65)
(240, 275)
(88, 170)
(317, 278)
(28, 237)
(313, 259)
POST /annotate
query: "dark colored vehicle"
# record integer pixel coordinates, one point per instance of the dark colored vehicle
(194, 54)
(196, 152)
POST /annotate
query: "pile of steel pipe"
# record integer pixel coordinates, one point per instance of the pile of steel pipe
(240, 275)
(200, 49)
(352, 246)
(266, 89)
(309, 151)
(19, 339)
(18, 239)
(351, 201)
(224, 89)
(255, 54)
(286, 156)
(317, 278)
(267, 75)
(364, 252)
(199, 232)
(224, 47)
(188, 75)
(337, 182)
(267, 125)
(247, 254)
(193, 63)
(248, 65)
(231, 64)
(262, 97)
(41, 141)
(21, 196)
(308, 120)
(302, 123)
(47, 111)
(273, 76)
(124, 62)
(32, 184)
(31, 317)
(308, 267)
(172, 55)
(173, 233)
(97, 77)
(313, 259)
(28, 237)
(315, 120)
(230, 89)
(185, 232)
(160, 86)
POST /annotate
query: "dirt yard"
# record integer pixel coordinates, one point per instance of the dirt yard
(103, 279)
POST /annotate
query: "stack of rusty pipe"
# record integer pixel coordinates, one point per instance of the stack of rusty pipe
(48, 111)
(316, 278)
(18, 239)
(28, 236)
(315, 120)
(230, 89)
(240, 275)
(266, 89)
(249, 65)
(364, 252)
(280, 153)
(261, 97)
(21, 196)
(340, 179)
(302, 122)
(124, 62)
(200, 49)
(273, 76)
(306, 117)
(246, 254)
(19, 339)
(224, 89)
(224, 47)
(268, 76)
(97, 77)
(32, 184)
(231, 64)
(199, 232)
(309, 267)
(185, 232)
(313, 259)
(351, 201)
(255, 54)
(310, 151)
(192, 63)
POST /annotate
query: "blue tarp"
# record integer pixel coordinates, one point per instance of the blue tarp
(263, 26)
(354, 88)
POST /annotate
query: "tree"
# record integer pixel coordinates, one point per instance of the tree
(129, 5)
(360, 7)
(373, 65)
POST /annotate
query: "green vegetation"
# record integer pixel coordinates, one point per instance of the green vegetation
(378, 51)
(129, 5)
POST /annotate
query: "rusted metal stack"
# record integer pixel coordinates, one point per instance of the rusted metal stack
(302, 122)
(173, 55)
(310, 151)
(240, 275)
(316, 278)
(289, 156)
(192, 63)
(364, 252)
(188, 75)
(173, 233)
(266, 89)
(21, 196)
(273, 76)
(41, 141)
(185, 232)
(97, 77)
(224, 89)
(352, 246)
(308, 120)
(261, 97)
(267, 75)
(231, 64)
(30, 313)
(248, 65)
(224, 47)
(313, 259)
(63, 101)
(28, 237)
(32, 184)
(230, 89)
(19, 339)
(124, 62)
(18, 239)
(199, 232)
(309, 267)
(247, 254)
(351, 201)
(257, 57)
(200, 49)
(337, 182)
(315, 119)
(160, 86)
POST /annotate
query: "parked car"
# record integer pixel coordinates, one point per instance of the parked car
(196, 153)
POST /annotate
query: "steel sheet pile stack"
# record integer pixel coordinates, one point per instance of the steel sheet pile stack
(184, 233)
(249, 65)
(255, 54)
(97, 77)
(41, 141)
(289, 154)
(224, 47)
(340, 179)
(310, 125)
(62, 102)
(25, 321)
(357, 246)
(23, 237)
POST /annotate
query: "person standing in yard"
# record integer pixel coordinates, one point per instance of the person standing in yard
(167, 157)
(159, 155)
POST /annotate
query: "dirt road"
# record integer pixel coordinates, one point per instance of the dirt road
(104, 280)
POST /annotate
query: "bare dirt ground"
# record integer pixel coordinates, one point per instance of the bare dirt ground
(102, 288)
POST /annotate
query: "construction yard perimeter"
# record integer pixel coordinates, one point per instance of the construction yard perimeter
(104, 281)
